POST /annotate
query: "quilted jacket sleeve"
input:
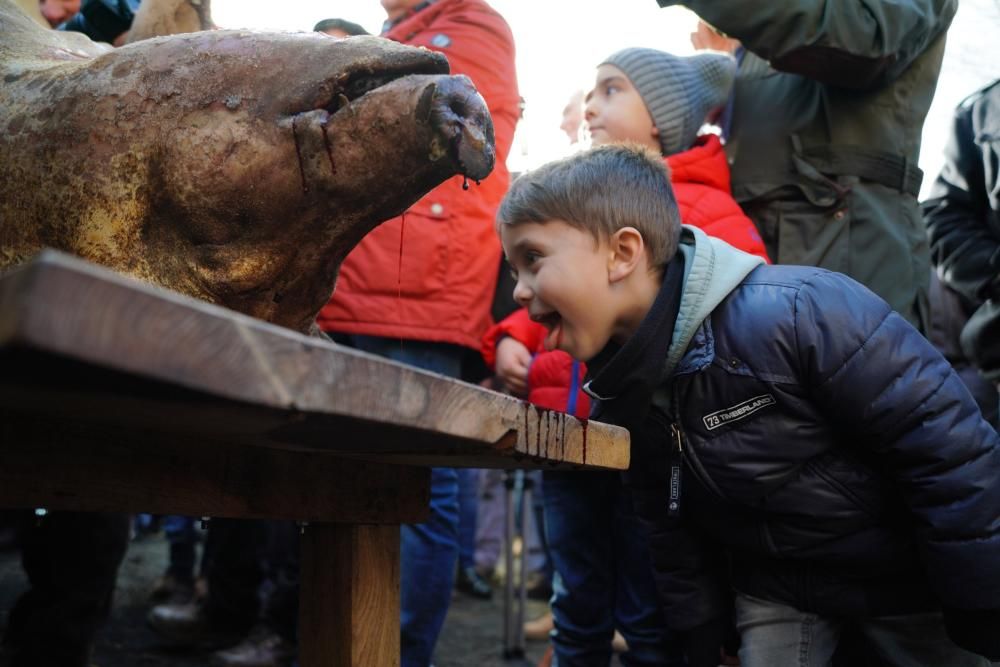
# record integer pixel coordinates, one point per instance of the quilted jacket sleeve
(891, 392)
(519, 326)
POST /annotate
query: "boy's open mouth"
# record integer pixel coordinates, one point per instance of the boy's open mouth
(548, 320)
(553, 322)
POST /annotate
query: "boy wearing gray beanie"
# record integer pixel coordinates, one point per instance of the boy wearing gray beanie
(657, 99)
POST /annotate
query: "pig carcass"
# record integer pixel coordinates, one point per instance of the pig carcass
(237, 167)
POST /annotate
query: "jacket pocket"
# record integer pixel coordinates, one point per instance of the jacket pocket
(797, 232)
(408, 256)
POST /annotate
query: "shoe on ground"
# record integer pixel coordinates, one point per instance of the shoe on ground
(538, 587)
(469, 582)
(173, 589)
(188, 625)
(539, 629)
(262, 648)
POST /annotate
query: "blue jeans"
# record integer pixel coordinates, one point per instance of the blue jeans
(429, 553)
(429, 550)
(772, 634)
(604, 577)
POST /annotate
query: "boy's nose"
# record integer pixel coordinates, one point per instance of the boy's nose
(522, 295)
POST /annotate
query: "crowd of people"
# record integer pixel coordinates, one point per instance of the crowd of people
(738, 271)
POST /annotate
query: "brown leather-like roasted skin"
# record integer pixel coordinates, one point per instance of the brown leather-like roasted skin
(237, 167)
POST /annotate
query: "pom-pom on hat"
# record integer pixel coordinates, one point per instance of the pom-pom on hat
(679, 92)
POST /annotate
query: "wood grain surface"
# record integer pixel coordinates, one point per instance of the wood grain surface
(80, 342)
(350, 569)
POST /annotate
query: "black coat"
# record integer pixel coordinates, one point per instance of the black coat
(963, 222)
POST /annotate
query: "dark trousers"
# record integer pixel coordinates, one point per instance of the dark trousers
(252, 568)
(71, 559)
(182, 538)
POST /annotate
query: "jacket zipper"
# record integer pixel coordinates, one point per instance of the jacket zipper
(676, 471)
(689, 456)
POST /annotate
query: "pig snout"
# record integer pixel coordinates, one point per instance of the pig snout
(458, 112)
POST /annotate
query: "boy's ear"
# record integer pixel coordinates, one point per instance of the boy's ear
(627, 251)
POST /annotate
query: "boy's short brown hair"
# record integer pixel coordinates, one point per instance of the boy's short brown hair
(601, 191)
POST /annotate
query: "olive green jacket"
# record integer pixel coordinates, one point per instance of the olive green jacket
(824, 132)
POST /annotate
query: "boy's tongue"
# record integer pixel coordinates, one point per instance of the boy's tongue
(554, 338)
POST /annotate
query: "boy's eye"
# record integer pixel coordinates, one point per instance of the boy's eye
(513, 274)
(531, 257)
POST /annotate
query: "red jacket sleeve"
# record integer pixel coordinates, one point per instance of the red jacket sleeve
(518, 326)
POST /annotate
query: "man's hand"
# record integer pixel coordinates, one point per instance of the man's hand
(513, 360)
(706, 37)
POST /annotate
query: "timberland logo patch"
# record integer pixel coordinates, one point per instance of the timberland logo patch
(737, 412)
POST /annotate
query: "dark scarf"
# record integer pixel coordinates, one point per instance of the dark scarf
(624, 377)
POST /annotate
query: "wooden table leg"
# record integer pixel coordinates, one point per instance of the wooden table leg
(349, 600)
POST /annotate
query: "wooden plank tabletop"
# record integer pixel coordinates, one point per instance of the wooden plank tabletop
(81, 342)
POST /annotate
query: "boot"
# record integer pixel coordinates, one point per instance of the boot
(263, 648)
(171, 588)
(469, 582)
(188, 625)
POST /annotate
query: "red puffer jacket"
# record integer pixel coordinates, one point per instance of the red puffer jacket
(430, 274)
(700, 177)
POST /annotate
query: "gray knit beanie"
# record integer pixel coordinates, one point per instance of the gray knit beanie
(679, 92)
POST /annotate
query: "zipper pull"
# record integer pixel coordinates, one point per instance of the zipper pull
(676, 472)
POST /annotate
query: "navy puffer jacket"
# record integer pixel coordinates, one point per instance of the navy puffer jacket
(826, 456)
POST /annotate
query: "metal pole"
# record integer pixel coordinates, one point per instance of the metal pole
(526, 485)
(511, 650)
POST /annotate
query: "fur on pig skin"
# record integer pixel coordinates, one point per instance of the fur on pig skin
(237, 167)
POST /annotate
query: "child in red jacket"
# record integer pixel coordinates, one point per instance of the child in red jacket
(603, 576)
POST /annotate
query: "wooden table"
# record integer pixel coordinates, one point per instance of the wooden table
(119, 396)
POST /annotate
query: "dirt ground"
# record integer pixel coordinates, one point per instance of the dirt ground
(472, 635)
